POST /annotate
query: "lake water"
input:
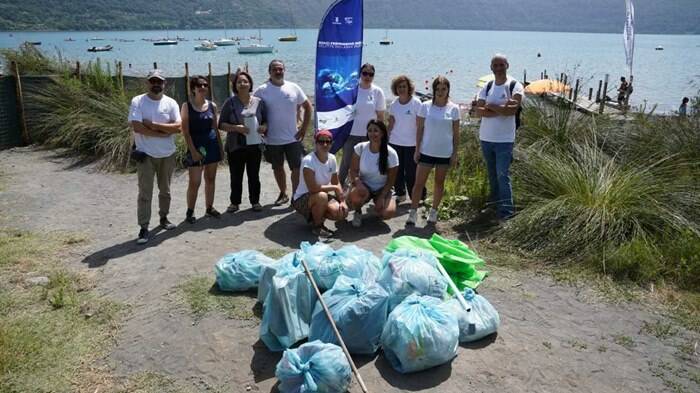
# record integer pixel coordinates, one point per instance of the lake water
(661, 77)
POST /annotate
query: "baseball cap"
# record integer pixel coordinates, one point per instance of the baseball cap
(156, 74)
(325, 133)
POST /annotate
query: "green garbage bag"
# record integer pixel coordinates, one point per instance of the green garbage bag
(461, 263)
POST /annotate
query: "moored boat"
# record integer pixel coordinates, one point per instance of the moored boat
(105, 48)
(205, 46)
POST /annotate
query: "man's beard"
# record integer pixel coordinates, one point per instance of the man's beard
(156, 89)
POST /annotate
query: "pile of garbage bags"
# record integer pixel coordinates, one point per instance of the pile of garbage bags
(400, 303)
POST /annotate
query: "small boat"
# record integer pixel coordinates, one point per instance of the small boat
(225, 42)
(105, 48)
(659, 48)
(97, 39)
(256, 47)
(288, 38)
(165, 42)
(205, 46)
(35, 42)
(386, 40)
(69, 39)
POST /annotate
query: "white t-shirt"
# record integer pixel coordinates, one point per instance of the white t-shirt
(369, 165)
(404, 131)
(437, 132)
(323, 172)
(281, 103)
(164, 110)
(500, 129)
(369, 101)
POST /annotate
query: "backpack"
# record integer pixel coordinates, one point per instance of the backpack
(511, 87)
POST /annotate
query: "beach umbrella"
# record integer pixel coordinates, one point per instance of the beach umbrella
(484, 80)
(546, 86)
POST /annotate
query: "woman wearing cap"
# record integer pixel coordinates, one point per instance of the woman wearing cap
(402, 134)
(319, 196)
(437, 139)
(370, 105)
(204, 147)
(243, 117)
(373, 173)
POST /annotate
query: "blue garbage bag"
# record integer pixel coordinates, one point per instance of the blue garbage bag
(313, 367)
(285, 264)
(240, 271)
(287, 308)
(480, 321)
(419, 334)
(327, 264)
(359, 310)
(409, 271)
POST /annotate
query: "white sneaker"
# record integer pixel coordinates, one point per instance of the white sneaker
(357, 219)
(432, 216)
(400, 198)
(412, 217)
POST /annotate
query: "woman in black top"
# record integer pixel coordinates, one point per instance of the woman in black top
(204, 147)
(243, 118)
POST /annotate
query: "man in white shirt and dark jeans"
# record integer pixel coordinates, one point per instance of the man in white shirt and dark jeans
(283, 139)
(154, 119)
(498, 105)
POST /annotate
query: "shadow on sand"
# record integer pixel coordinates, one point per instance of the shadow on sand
(159, 235)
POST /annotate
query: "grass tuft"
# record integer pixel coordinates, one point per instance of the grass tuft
(203, 297)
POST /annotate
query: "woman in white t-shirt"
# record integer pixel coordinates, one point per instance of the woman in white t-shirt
(437, 139)
(402, 134)
(373, 173)
(319, 179)
(370, 105)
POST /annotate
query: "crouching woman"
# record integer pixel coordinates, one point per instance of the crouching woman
(319, 196)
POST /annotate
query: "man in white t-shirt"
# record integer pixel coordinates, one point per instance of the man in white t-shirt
(154, 119)
(283, 100)
(498, 105)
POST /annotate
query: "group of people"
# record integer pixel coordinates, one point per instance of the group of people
(386, 159)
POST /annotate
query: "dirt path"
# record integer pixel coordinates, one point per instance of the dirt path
(553, 338)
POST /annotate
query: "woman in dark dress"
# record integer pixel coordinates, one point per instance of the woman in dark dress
(244, 120)
(204, 147)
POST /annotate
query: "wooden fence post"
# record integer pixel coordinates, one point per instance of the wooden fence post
(20, 105)
(187, 80)
(120, 75)
(77, 69)
(155, 65)
(597, 93)
(576, 91)
(524, 76)
(228, 80)
(604, 93)
(211, 84)
(590, 93)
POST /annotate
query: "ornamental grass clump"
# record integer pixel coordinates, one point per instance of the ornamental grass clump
(582, 200)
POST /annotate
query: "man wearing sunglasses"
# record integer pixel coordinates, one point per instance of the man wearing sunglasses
(154, 119)
(283, 100)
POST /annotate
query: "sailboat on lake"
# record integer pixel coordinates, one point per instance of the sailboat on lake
(293, 36)
(256, 46)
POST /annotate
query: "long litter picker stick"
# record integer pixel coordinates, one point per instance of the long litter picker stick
(335, 329)
(454, 288)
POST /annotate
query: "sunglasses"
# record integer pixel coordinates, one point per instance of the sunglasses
(324, 141)
(367, 73)
(202, 85)
(156, 81)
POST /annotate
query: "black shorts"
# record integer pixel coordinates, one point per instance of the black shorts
(276, 154)
(432, 162)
